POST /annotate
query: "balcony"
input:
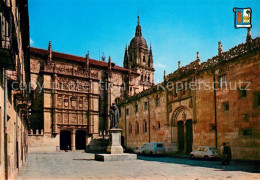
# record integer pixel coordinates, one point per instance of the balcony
(8, 43)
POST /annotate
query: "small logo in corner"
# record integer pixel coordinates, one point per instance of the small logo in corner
(243, 17)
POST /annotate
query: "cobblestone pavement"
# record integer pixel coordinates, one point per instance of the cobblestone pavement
(80, 165)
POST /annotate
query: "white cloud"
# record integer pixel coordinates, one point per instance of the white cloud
(159, 65)
(31, 42)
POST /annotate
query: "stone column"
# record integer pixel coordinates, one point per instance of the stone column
(73, 144)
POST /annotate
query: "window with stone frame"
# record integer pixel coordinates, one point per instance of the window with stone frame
(258, 100)
(225, 106)
(158, 125)
(144, 59)
(145, 105)
(127, 111)
(136, 127)
(148, 79)
(222, 80)
(136, 108)
(247, 132)
(242, 92)
(157, 101)
(145, 126)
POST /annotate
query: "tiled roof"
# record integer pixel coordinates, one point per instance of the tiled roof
(69, 57)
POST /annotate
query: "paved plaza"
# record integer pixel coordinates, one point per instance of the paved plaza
(80, 165)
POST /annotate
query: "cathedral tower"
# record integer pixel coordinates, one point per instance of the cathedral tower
(139, 58)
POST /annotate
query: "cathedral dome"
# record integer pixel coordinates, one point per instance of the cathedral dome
(138, 42)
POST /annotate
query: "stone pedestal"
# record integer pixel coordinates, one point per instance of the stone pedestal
(114, 149)
(114, 146)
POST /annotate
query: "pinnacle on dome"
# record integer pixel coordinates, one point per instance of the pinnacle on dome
(138, 31)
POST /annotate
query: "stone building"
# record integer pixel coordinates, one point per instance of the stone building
(14, 76)
(140, 59)
(203, 103)
(72, 95)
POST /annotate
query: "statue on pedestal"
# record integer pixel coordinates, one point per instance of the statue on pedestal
(114, 116)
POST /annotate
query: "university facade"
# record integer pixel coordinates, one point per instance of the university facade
(201, 104)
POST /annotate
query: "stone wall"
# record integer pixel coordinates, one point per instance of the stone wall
(217, 109)
(14, 124)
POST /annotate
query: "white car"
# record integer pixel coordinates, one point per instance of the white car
(205, 152)
(152, 148)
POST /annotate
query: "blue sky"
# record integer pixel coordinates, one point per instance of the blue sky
(177, 29)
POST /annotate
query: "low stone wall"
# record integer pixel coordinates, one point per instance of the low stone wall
(41, 143)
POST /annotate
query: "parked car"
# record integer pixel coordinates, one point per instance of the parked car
(205, 152)
(152, 148)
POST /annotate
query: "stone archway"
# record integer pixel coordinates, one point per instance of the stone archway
(65, 140)
(181, 122)
(80, 139)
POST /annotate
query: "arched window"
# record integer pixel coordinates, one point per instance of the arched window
(144, 59)
(148, 78)
(136, 127)
(145, 78)
(145, 126)
(142, 77)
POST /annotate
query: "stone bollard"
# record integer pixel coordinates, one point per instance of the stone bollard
(37, 131)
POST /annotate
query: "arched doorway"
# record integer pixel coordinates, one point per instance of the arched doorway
(180, 130)
(80, 139)
(65, 140)
(181, 122)
(189, 135)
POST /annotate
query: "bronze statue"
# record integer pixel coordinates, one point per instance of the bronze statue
(114, 116)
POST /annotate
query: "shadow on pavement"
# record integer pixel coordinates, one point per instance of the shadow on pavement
(247, 166)
(84, 159)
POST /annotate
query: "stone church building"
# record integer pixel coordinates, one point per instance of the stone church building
(72, 95)
(201, 104)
